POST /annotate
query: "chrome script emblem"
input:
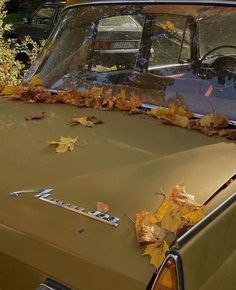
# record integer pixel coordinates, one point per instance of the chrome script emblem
(43, 194)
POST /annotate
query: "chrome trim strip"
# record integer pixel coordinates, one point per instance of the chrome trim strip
(179, 271)
(204, 222)
(195, 115)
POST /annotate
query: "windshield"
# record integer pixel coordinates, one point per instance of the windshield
(184, 54)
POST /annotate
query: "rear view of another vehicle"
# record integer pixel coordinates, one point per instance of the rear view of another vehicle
(117, 41)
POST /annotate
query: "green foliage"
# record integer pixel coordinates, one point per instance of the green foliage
(11, 69)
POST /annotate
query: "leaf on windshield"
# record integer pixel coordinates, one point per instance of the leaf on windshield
(157, 253)
(35, 81)
(169, 26)
(35, 116)
(102, 207)
(85, 121)
(177, 213)
(64, 144)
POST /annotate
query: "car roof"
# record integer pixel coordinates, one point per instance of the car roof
(76, 2)
(193, 9)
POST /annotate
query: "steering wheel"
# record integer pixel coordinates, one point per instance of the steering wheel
(222, 65)
(214, 49)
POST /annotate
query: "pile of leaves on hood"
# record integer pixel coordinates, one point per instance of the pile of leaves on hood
(210, 124)
(104, 98)
(96, 97)
(158, 230)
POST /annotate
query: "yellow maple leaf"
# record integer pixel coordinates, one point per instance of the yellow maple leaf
(172, 221)
(35, 81)
(195, 216)
(12, 90)
(157, 253)
(64, 144)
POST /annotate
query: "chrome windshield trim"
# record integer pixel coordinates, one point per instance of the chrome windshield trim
(195, 115)
(205, 221)
(179, 271)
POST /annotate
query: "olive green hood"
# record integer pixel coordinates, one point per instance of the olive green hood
(123, 162)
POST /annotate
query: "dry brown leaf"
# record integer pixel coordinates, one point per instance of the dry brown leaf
(177, 213)
(214, 120)
(135, 111)
(231, 134)
(122, 105)
(102, 207)
(12, 90)
(157, 253)
(147, 228)
(85, 121)
(135, 102)
(64, 144)
(35, 116)
(122, 94)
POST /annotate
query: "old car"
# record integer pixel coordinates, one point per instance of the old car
(186, 58)
(40, 23)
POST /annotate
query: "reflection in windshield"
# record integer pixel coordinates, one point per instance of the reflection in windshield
(156, 51)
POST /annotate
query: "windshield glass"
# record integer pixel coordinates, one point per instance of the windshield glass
(184, 54)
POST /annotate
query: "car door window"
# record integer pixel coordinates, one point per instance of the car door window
(43, 16)
(170, 41)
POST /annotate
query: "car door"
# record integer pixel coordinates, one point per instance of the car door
(209, 256)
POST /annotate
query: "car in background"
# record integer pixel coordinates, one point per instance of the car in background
(184, 56)
(39, 24)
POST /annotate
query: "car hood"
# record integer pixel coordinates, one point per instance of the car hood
(123, 162)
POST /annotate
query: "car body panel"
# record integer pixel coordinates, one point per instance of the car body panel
(125, 162)
(110, 168)
(212, 249)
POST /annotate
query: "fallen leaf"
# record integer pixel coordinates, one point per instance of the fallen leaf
(172, 221)
(168, 25)
(147, 228)
(135, 111)
(85, 121)
(35, 116)
(195, 216)
(12, 90)
(157, 253)
(64, 144)
(231, 134)
(178, 212)
(35, 81)
(102, 207)
(122, 94)
(122, 105)
(214, 120)
(135, 102)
